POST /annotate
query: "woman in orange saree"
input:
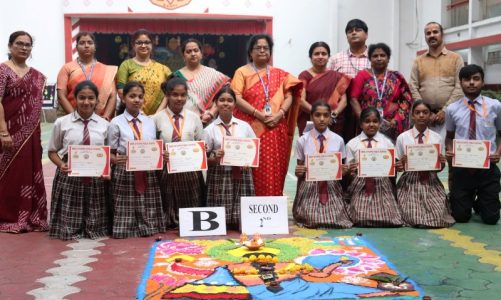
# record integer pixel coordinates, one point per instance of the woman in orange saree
(325, 85)
(23, 202)
(86, 67)
(268, 99)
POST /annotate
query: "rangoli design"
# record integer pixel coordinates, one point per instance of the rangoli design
(283, 268)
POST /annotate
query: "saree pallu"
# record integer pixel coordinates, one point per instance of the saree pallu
(203, 88)
(396, 102)
(329, 87)
(103, 76)
(276, 142)
(150, 76)
(23, 202)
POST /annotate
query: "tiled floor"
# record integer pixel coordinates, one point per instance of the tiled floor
(460, 262)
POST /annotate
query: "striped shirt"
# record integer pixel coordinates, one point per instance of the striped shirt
(347, 63)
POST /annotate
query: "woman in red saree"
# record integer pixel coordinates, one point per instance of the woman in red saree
(268, 99)
(23, 202)
(86, 67)
(385, 90)
(323, 84)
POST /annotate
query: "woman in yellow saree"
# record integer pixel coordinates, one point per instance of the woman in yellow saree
(143, 69)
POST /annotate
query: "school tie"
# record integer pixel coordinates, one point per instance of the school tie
(86, 141)
(140, 181)
(424, 176)
(236, 172)
(86, 135)
(322, 185)
(175, 135)
(472, 132)
(370, 182)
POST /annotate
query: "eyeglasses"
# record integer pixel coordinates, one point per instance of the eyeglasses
(261, 48)
(140, 43)
(21, 45)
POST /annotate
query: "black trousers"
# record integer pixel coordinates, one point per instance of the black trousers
(470, 185)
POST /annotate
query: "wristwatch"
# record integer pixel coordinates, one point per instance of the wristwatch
(333, 115)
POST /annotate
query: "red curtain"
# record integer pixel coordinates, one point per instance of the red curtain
(228, 27)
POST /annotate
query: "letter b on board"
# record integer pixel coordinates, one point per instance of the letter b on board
(202, 221)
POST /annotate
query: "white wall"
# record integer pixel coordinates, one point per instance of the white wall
(44, 21)
(296, 24)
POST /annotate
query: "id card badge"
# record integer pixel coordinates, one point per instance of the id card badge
(381, 111)
(267, 109)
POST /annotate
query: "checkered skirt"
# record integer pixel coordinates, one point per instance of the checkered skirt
(377, 210)
(136, 214)
(423, 204)
(308, 210)
(78, 210)
(223, 190)
(180, 190)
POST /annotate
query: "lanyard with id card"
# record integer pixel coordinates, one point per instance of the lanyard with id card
(266, 89)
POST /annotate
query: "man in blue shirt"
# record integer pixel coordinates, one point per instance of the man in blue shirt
(474, 117)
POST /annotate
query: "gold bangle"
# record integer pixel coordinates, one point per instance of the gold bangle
(254, 112)
(4, 134)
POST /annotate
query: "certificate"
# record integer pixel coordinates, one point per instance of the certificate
(324, 167)
(240, 152)
(423, 157)
(186, 157)
(144, 155)
(88, 160)
(374, 162)
(473, 154)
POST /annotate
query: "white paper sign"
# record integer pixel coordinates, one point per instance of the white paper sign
(264, 215)
(202, 221)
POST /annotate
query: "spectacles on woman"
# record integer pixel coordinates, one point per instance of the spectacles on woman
(22, 45)
(261, 48)
(140, 43)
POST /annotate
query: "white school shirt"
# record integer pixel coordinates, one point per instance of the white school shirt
(379, 141)
(410, 137)
(120, 131)
(68, 130)
(214, 132)
(306, 144)
(457, 119)
(193, 129)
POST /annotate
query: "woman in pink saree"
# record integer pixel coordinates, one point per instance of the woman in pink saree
(23, 202)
